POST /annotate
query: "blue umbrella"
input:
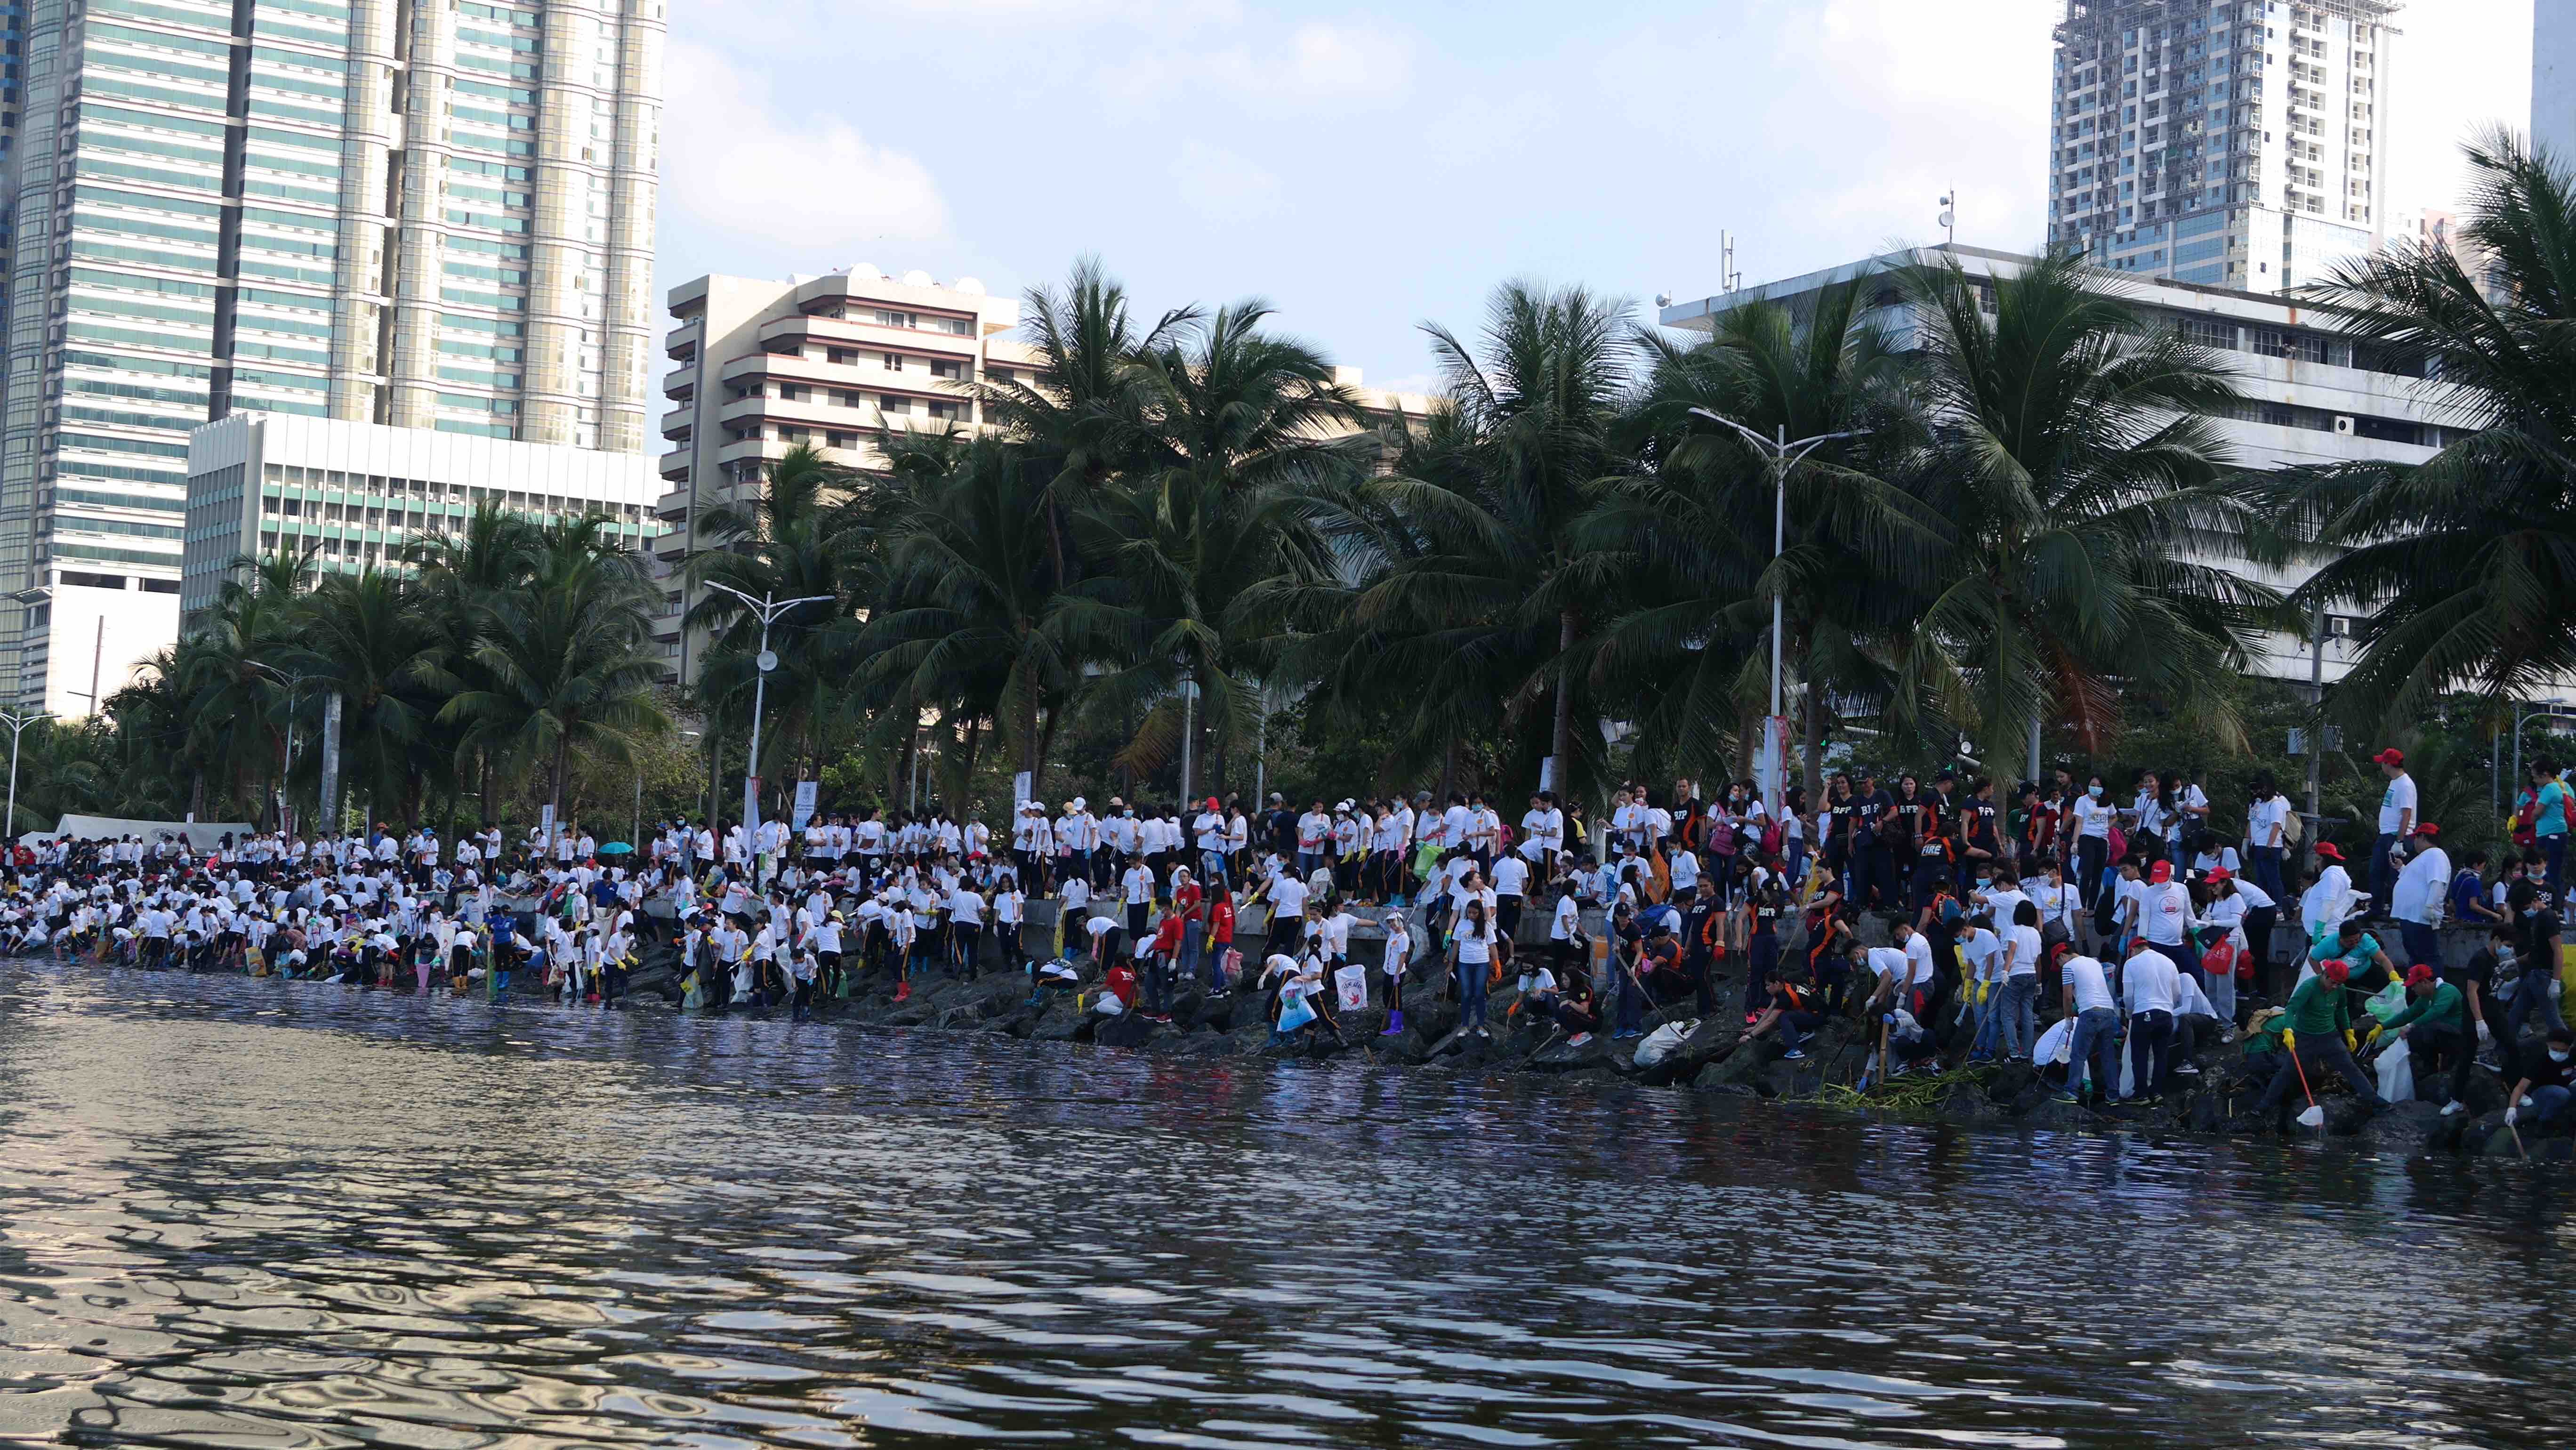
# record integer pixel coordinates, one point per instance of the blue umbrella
(616, 848)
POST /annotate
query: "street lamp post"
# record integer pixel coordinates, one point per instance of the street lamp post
(769, 607)
(2548, 709)
(294, 689)
(17, 726)
(1784, 455)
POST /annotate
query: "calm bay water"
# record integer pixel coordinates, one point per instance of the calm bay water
(238, 1213)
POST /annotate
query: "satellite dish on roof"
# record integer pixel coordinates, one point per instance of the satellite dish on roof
(865, 272)
(972, 287)
(918, 279)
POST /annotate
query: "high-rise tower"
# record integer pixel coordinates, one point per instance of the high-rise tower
(428, 213)
(2237, 143)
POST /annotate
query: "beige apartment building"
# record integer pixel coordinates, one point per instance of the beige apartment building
(759, 367)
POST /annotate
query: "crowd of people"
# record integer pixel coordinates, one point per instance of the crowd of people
(1943, 909)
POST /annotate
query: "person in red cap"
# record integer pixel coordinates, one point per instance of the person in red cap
(2396, 823)
(2423, 890)
(2319, 1015)
(2164, 919)
(2435, 1025)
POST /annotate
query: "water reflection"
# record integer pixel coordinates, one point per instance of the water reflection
(285, 1215)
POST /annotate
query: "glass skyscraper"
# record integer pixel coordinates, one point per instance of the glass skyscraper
(425, 213)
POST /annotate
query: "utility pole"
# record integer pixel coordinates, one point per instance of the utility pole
(1784, 455)
(2317, 733)
(17, 726)
(329, 805)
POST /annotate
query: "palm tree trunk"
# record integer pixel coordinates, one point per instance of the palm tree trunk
(1560, 742)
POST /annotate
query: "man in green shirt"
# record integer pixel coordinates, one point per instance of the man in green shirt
(2436, 1022)
(2319, 1018)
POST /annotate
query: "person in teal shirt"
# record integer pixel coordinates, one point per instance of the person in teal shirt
(2360, 952)
(2550, 805)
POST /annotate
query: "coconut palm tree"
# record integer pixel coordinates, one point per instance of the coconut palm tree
(969, 623)
(463, 577)
(2465, 564)
(810, 533)
(1519, 455)
(2073, 455)
(1241, 418)
(1695, 523)
(366, 638)
(566, 668)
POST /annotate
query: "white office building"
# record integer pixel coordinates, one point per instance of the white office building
(353, 495)
(2231, 143)
(431, 216)
(2311, 395)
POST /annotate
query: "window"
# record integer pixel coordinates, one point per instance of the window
(894, 362)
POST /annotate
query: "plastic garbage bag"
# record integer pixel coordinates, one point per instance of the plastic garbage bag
(2056, 1044)
(2397, 1073)
(1350, 988)
(2388, 1003)
(1663, 1042)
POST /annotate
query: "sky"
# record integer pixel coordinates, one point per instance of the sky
(1367, 167)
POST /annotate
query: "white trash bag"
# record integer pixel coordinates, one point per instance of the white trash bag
(2397, 1073)
(1350, 987)
(1663, 1042)
(2056, 1044)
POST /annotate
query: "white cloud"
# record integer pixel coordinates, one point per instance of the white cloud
(1354, 60)
(736, 162)
(1223, 186)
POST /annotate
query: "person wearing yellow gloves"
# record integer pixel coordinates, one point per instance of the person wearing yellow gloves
(2319, 1017)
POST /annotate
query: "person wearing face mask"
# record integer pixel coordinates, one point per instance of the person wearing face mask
(2548, 1081)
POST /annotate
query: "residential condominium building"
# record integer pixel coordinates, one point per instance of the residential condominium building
(2310, 394)
(353, 495)
(758, 367)
(428, 215)
(837, 361)
(2229, 143)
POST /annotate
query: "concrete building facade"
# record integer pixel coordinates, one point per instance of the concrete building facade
(2311, 395)
(432, 216)
(2228, 143)
(759, 367)
(354, 494)
(838, 361)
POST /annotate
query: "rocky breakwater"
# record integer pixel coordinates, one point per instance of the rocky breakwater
(2218, 1097)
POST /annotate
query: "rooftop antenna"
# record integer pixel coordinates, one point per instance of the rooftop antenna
(1950, 217)
(1728, 279)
